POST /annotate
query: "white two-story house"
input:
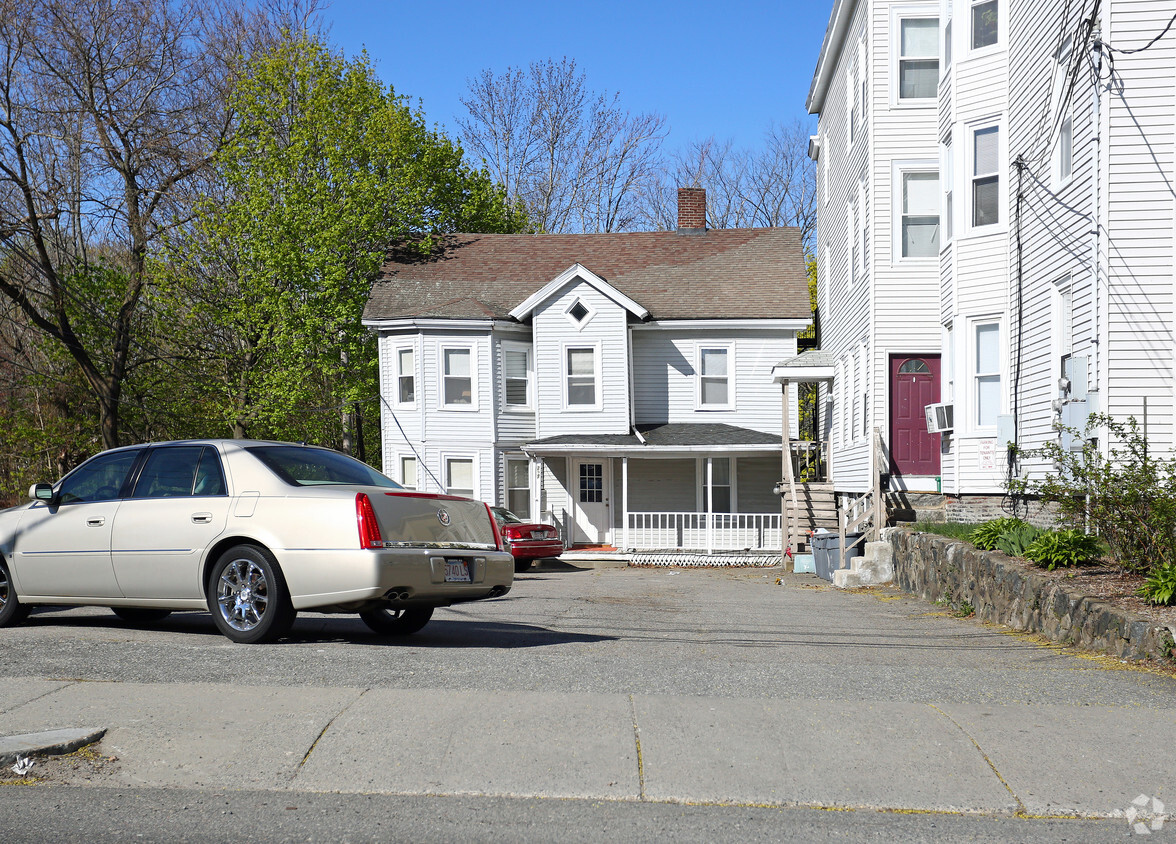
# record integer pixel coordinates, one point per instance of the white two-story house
(996, 234)
(618, 385)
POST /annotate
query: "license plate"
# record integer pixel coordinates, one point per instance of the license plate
(457, 571)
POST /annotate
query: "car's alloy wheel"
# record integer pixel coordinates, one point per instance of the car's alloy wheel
(247, 596)
(401, 622)
(12, 611)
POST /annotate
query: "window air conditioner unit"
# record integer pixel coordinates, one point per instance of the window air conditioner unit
(940, 418)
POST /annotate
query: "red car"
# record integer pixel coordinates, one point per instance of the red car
(528, 541)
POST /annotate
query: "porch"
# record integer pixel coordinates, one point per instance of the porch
(714, 483)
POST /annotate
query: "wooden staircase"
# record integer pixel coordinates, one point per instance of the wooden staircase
(816, 506)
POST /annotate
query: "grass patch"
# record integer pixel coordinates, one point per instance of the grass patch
(953, 530)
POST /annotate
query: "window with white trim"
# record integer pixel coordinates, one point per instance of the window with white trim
(947, 42)
(851, 101)
(457, 381)
(1063, 116)
(518, 487)
(863, 260)
(985, 176)
(947, 179)
(716, 495)
(864, 81)
(516, 376)
(714, 381)
(852, 238)
(408, 472)
(581, 377)
(919, 214)
(864, 387)
(918, 58)
(986, 375)
(459, 476)
(405, 375)
(985, 24)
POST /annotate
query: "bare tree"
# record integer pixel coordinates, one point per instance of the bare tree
(771, 186)
(576, 159)
(107, 109)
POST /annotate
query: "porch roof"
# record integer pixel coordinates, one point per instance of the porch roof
(661, 440)
(813, 365)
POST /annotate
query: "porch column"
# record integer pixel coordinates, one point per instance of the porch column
(624, 504)
(710, 507)
(790, 529)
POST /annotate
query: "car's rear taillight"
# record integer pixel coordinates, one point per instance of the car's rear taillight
(498, 539)
(369, 529)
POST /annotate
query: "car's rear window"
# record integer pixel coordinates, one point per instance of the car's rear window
(305, 466)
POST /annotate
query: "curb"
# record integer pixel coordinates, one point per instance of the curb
(48, 743)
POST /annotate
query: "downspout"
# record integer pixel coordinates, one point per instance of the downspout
(1094, 405)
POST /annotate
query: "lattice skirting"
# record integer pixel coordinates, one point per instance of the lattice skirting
(700, 560)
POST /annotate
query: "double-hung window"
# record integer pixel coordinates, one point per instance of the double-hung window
(920, 214)
(918, 58)
(987, 373)
(985, 28)
(516, 377)
(459, 476)
(518, 487)
(1063, 116)
(714, 378)
(985, 176)
(405, 376)
(582, 386)
(947, 178)
(408, 472)
(457, 377)
(716, 485)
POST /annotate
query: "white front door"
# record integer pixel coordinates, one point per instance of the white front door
(590, 485)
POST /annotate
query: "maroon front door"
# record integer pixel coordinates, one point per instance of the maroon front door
(914, 384)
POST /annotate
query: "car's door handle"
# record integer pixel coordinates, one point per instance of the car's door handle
(95, 521)
(202, 518)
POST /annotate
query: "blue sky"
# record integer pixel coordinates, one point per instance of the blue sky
(723, 70)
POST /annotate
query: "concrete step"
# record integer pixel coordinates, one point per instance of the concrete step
(874, 568)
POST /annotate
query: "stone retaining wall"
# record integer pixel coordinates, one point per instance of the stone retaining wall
(939, 568)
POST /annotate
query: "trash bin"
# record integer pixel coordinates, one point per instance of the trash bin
(821, 554)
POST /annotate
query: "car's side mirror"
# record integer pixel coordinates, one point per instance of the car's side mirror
(41, 492)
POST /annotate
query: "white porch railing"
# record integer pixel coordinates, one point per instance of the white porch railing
(704, 532)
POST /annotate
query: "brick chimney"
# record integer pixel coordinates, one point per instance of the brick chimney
(691, 210)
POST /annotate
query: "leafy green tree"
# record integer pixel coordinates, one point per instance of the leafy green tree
(326, 167)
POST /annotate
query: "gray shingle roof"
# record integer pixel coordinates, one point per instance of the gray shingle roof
(724, 273)
(676, 435)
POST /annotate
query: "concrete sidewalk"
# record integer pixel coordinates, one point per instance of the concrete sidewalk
(950, 757)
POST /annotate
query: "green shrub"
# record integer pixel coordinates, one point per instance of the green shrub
(1160, 586)
(1127, 497)
(986, 535)
(1064, 548)
(1016, 540)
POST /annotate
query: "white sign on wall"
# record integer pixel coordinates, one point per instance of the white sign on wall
(986, 455)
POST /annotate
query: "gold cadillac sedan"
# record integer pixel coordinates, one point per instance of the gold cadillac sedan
(253, 532)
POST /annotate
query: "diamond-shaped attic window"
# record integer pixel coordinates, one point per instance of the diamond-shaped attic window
(578, 311)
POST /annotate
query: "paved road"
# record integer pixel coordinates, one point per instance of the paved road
(626, 688)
